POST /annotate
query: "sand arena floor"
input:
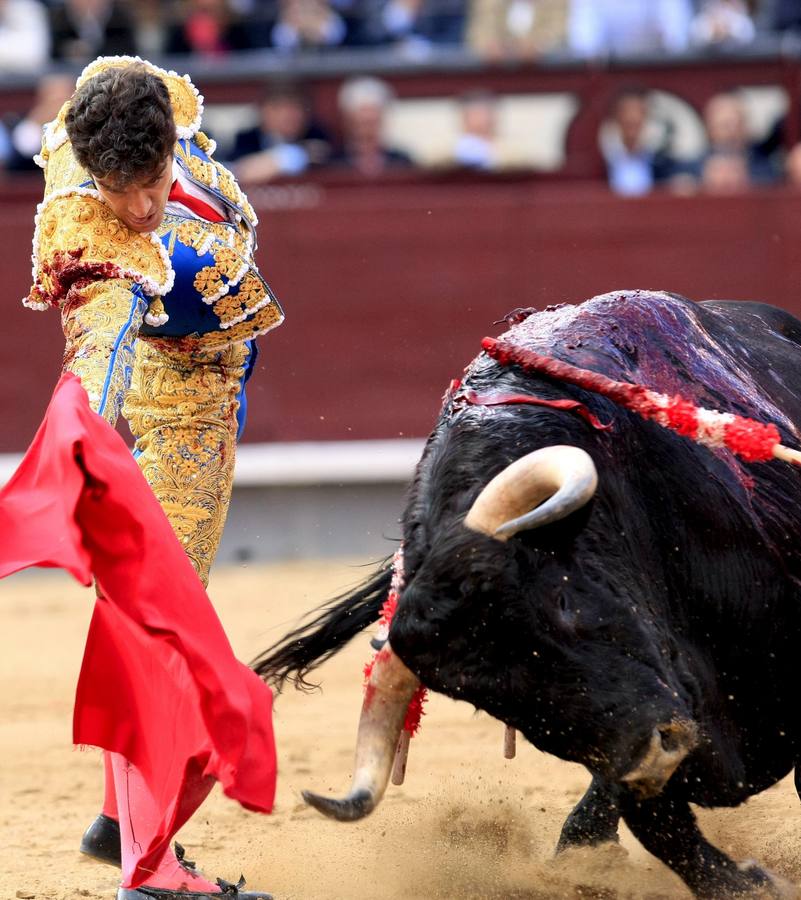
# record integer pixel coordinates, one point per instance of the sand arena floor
(467, 823)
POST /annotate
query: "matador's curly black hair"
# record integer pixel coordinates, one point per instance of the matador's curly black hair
(120, 124)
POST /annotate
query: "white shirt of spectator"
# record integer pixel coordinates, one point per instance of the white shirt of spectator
(726, 22)
(631, 175)
(475, 152)
(521, 16)
(26, 137)
(599, 27)
(24, 36)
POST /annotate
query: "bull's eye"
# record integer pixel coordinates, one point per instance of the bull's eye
(477, 586)
(566, 613)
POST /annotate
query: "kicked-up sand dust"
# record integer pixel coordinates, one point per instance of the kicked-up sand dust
(467, 824)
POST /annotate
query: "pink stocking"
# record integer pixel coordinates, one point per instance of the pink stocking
(110, 795)
(138, 810)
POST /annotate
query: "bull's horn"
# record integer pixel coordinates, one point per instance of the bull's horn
(386, 699)
(562, 476)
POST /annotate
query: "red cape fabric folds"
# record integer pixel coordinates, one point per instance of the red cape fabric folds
(159, 682)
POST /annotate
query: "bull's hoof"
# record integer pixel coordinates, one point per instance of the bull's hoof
(586, 828)
(352, 808)
(606, 843)
(608, 852)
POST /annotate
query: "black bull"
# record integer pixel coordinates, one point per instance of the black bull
(650, 632)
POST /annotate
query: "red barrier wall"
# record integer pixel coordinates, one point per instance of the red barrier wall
(388, 288)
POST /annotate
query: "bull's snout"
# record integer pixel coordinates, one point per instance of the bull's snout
(668, 746)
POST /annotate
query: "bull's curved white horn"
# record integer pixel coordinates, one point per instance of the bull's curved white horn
(386, 699)
(539, 488)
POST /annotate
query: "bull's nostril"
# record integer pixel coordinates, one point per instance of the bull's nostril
(670, 737)
(669, 745)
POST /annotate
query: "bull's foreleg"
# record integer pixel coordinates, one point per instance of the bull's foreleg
(595, 818)
(667, 828)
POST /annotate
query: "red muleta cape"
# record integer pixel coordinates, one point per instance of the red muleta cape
(159, 681)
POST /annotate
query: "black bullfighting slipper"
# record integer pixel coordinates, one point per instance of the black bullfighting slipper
(101, 841)
(227, 890)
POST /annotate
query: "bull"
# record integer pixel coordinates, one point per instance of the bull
(626, 598)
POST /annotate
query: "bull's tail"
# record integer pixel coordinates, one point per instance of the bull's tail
(336, 622)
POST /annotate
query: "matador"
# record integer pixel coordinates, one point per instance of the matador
(145, 244)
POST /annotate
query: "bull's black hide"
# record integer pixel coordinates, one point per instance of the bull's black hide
(674, 594)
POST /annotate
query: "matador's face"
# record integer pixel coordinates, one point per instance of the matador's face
(140, 204)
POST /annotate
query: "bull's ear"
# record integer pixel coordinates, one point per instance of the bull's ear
(535, 490)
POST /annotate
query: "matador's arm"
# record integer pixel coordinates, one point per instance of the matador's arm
(101, 321)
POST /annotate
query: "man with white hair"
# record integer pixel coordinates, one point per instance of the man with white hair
(363, 103)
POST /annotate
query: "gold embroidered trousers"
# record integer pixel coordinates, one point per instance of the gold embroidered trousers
(180, 402)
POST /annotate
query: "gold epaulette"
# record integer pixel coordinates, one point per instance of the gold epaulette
(77, 236)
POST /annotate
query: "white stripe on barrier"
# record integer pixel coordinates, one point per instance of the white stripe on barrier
(308, 463)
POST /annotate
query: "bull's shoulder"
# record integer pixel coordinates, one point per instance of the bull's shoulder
(750, 316)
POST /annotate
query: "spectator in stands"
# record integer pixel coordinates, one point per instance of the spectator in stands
(5, 145)
(149, 28)
(792, 167)
(727, 133)
(363, 103)
(782, 15)
(25, 135)
(479, 144)
(621, 27)
(725, 173)
(307, 25)
(82, 30)
(516, 29)
(635, 146)
(208, 28)
(24, 36)
(723, 22)
(415, 25)
(286, 141)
